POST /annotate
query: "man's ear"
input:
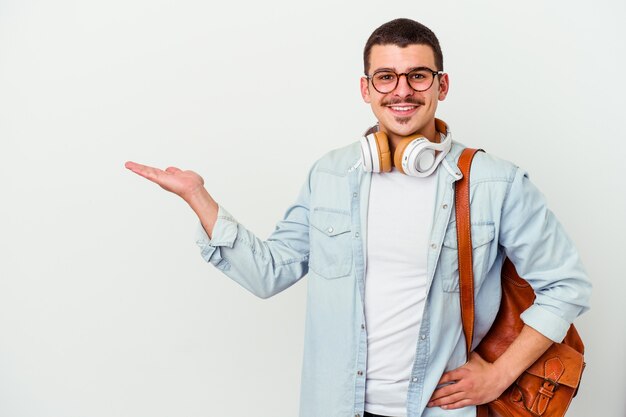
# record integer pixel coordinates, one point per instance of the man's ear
(444, 85)
(365, 90)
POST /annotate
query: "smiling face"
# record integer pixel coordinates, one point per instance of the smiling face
(404, 111)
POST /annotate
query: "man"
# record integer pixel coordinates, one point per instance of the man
(383, 328)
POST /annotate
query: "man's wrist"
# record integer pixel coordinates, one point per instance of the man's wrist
(205, 207)
(200, 200)
(507, 374)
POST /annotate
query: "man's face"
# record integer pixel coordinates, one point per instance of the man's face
(404, 111)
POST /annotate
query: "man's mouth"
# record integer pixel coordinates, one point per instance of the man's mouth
(405, 107)
(402, 109)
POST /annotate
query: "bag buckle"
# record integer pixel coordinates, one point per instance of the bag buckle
(554, 385)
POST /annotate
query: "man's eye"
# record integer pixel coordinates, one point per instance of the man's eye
(385, 77)
(417, 75)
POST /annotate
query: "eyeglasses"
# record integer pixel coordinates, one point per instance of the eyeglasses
(420, 79)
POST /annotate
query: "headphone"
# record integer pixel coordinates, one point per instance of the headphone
(415, 155)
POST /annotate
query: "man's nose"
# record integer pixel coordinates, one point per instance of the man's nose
(403, 89)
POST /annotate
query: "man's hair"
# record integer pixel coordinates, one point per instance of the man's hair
(403, 32)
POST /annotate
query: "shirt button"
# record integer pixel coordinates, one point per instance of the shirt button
(414, 379)
(433, 245)
(356, 234)
(357, 415)
(445, 206)
(359, 373)
(423, 337)
(362, 326)
(354, 195)
(330, 230)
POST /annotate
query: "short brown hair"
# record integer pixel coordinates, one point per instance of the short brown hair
(403, 32)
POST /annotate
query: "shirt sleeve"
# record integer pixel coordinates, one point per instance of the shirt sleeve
(224, 234)
(545, 257)
(264, 267)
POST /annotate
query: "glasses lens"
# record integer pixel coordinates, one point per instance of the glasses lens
(385, 81)
(420, 79)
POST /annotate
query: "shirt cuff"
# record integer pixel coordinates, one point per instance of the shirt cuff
(546, 322)
(224, 234)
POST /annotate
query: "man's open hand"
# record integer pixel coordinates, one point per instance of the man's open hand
(476, 382)
(186, 184)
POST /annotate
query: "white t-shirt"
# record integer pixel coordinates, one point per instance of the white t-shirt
(399, 222)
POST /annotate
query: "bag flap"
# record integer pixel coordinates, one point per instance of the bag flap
(560, 363)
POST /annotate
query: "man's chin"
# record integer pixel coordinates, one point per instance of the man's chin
(404, 129)
(403, 120)
(400, 126)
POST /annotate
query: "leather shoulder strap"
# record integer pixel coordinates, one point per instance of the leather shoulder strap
(464, 244)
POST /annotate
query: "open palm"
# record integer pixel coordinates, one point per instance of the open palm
(172, 179)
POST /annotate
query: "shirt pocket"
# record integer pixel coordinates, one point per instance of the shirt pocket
(331, 243)
(482, 235)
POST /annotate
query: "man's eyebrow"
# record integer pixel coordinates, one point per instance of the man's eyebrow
(418, 68)
(383, 69)
(421, 67)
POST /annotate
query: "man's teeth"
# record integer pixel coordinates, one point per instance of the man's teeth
(405, 108)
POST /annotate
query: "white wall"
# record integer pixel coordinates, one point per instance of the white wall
(107, 309)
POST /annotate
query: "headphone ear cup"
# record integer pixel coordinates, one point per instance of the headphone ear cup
(398, 154)
(375, 153)
(384, 154)
(414, 157)
(425, 160)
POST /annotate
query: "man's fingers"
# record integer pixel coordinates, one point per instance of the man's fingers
(145, 171)
(438, 394)
(447, 400)
(458, 404)
(445, 391)
(134, 166)
(451, 376)
(149, 172)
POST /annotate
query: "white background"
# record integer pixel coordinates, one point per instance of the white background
(106, 307)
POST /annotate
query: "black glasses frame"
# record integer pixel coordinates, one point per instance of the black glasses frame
(406, 74)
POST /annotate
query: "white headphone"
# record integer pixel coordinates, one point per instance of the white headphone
(415, 155)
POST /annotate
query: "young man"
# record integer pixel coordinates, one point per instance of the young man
(377, 239)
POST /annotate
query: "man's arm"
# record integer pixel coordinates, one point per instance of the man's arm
(545, 256)
(263, 267)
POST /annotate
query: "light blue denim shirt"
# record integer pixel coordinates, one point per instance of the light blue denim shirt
(323, 235)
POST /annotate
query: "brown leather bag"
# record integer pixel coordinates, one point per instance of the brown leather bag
(547, 387)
